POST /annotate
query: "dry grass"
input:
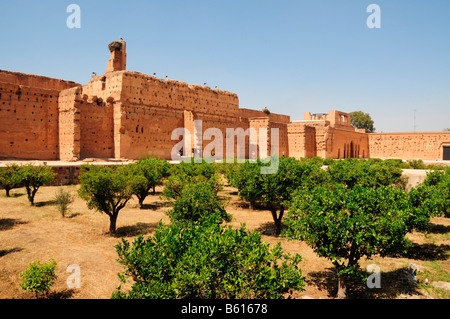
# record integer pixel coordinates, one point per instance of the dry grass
(27, 233)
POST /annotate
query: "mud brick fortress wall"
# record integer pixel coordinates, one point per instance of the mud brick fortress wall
(29, 115)
(128, 115)
(417, 145)
(327, 135)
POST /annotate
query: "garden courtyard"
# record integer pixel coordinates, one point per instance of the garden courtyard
(81, 237)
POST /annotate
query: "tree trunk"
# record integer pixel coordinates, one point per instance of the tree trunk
(342, 286)
(7, 192)
(33, 194)
(252, 205)
(154, 190)
(141, 202)
(112, 223)
(277, 219)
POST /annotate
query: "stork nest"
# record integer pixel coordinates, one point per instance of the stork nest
(266, 110)
(115, 46)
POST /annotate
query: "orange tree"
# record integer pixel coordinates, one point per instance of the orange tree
(33, 177)
(106, 189)
(345, 224)
(275, 190)
(206, 261)
(148, 173)
(10, 177)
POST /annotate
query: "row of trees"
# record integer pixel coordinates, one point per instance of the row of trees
(355, 208)
(197, 256)
(352, 209)
(107, 189)
(30, 176)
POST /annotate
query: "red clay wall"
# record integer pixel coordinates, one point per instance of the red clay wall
(69, 124)
(37, 81)
(97, 129)
(152, 108)
(28, 122)
(344, 143)
(29, 115)
(301, 140)
(419, 145)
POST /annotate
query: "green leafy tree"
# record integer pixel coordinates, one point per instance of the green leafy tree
(147, 174)
(187, 173)
(207, 170)
(106, 189)
(38, 278)
(198, 203)
(206, 261)
(33, 177)
(275, 190)
(10, 177)
(345, 224)
(246, 178)
(362, 120)
(366, 173)
(431, 198)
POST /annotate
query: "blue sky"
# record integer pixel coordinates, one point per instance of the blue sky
(291, 56)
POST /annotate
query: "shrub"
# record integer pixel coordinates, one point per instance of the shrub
(416, 164)
(38, 278)
(63, 200)
(206, 261)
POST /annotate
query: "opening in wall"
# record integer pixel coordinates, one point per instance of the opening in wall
(446, 153)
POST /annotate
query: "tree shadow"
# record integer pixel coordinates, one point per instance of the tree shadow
(63, 294)
(324, 280)
(135, 230)
(269, 229)
(154, 206)
(53, 295)
(427, 252)
(45, 203)
(392, 284)
(258, 206)
(72, 215)
(16, 194)
(4, 252)
(8, 223)
(438, 229)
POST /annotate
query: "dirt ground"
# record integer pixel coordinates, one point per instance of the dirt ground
(28, 233)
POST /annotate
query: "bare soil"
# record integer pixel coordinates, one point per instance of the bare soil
(28, 233)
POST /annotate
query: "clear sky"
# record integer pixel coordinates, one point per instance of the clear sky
(291, 56)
